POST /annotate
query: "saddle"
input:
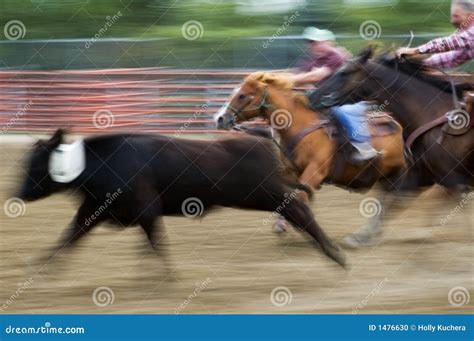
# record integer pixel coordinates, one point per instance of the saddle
(455, 122)
(379, 124)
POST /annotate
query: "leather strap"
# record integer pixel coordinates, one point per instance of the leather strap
(428, 126)
(295, 140)
(423, 129)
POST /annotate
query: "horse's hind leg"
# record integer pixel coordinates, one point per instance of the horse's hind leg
(396, 189)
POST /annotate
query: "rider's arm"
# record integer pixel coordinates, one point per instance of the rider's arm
(310, 77)
(447, 59)
(454, 42)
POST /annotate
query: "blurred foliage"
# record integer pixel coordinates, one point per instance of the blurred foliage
(49, 19)
(228, 32)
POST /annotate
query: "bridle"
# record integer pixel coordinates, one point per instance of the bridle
(263, 104)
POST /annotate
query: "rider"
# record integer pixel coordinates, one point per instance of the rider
(454, 50)
(325, 58)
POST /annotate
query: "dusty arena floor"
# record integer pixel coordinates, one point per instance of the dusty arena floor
(230, 262)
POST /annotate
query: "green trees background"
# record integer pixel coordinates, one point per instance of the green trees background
(48, 19)
(229, 36)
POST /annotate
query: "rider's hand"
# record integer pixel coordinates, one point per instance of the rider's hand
(406, 51)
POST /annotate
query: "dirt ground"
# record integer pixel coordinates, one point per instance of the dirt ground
(230, 262)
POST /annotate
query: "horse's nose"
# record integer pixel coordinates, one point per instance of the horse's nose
(220, 123)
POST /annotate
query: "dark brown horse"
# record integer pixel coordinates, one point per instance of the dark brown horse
(420, 102)
(438, 131)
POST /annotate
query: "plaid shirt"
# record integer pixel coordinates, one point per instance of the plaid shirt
(451, 51)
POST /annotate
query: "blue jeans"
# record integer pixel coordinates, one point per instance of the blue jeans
(353, 120)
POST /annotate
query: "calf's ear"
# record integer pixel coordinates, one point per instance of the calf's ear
(57, 138)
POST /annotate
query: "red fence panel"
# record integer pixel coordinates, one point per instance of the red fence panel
(89, 101)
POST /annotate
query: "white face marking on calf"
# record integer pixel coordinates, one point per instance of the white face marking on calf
(67, 161)
(223, 109)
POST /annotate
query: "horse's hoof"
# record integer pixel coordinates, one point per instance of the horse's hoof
(357, 241)
(280, 227)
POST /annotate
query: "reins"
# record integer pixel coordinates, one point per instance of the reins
(262, 105)
(456, 100)
(448, 116)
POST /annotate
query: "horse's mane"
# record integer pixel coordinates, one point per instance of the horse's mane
(281, 81)
(421, 71)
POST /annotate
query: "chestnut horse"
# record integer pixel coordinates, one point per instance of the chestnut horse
(308, 146)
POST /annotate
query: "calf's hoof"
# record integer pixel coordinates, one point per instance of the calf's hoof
(280, 226)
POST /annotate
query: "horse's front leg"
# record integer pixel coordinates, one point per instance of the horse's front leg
(369, 233)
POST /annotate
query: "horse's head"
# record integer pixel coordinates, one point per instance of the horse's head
(38, 182)
(348, 85)
(249, 100)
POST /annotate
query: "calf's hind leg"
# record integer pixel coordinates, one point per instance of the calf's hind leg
(312, 177)
(299, 214)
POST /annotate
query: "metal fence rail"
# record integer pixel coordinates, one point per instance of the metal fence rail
(156, 100)
(89, 101)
